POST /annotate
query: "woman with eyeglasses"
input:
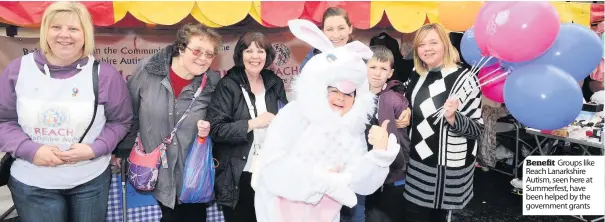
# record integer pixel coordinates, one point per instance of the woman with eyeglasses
(243, 105)
(162, 88)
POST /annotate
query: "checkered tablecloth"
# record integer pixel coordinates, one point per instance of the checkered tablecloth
(147, 213)
(214, 214)
(140, 214)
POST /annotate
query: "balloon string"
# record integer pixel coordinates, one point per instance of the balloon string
(473, 72)
(477, 64)
(491, 80)
(440, 112)
(481, 64)
(490, 73)
(463, 77)
(458, 83)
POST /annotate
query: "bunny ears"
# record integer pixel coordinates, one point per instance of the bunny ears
(308, 32)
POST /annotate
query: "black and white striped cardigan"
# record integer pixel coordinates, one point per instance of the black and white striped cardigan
(442, 157)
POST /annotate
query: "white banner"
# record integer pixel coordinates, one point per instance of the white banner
(124, 51)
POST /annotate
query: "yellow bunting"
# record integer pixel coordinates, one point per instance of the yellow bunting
(225, 13)
(580, 13)
(458, 16)
(119, 10)
(406, 17)
(563, 11)
(197, 14)
(432, 12)
(133, 9)
(255, 11)
(165, 13)
(376, 11)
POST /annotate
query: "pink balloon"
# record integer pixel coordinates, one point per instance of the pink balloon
(494, 89)
(521, 31)
(480, 26)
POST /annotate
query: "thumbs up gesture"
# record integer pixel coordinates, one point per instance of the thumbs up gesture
(378, 136)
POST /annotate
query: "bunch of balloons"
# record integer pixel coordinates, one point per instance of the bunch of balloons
(545, 61)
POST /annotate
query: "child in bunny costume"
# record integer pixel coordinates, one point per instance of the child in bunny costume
(315, 156)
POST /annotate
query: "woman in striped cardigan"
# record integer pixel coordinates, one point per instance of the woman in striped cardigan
(442, 158)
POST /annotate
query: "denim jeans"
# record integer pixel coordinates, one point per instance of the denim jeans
(355, 214)
(86, 202)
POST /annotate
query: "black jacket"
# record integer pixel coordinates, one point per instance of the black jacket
(228, 115)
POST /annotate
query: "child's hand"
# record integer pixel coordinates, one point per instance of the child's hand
(378, 136)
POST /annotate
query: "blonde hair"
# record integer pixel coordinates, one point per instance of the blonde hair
(76, 9)
(450, 54)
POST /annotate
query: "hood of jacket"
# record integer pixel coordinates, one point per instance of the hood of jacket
(159, 63)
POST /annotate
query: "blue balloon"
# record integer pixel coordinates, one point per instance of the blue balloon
(510, 66)
(470, 50)
(542, 96)
(577, 50)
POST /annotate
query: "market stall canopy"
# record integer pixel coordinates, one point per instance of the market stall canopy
(405, 17)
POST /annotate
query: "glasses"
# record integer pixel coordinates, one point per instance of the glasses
(198, 53)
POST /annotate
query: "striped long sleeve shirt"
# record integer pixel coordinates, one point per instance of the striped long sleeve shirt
(442, 157)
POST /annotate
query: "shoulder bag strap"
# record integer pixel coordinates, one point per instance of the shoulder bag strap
(95, 86)
(168, 140)
(248, 103)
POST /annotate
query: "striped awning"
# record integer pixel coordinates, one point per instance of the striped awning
(405, 17)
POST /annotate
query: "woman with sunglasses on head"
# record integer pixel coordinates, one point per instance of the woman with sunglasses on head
(243, 105)
(163, 89)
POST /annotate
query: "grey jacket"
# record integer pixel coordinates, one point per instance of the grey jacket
(156, 112)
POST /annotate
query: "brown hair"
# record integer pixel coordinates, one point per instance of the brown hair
(246, 40)
(383, 54)
(450, 54)
(184, 34)
(335, 11)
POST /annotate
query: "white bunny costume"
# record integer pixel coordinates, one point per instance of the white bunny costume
(307, 138)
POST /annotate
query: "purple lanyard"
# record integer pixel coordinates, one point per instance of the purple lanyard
(168, 139)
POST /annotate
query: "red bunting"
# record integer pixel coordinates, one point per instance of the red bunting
(101, 12)
(30, 13)
(278, 13)
(23, 13)
(597, 13)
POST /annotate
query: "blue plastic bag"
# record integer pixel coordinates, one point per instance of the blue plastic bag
(198, 175)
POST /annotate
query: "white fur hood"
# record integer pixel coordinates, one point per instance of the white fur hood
(331, 66)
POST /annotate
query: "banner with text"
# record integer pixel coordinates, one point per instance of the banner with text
(124, 51)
